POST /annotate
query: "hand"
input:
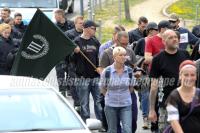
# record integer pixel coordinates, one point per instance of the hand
(99, 70)
(137, 74)
(77, 49)
(152, 116)
(147, 61)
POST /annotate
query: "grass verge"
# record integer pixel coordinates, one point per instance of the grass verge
(185, 9)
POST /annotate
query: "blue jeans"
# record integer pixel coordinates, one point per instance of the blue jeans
(144, 101)
(84, 87)
(125, 116)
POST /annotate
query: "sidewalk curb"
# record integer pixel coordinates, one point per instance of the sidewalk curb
(164, 10)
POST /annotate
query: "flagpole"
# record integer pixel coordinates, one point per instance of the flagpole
(88, 59)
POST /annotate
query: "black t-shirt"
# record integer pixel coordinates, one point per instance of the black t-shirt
(166, 65)
(140, 46)
(90, 48)
(192, 122)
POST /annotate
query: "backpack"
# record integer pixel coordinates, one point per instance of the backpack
(108, 71)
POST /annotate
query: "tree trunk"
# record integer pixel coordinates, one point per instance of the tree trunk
(127, 11)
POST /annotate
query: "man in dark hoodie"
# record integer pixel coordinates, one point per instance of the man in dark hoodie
(64, 25)
(71, 68)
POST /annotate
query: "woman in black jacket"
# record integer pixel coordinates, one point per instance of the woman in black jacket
(6, 47)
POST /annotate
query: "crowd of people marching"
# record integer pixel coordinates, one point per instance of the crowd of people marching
(152, 61)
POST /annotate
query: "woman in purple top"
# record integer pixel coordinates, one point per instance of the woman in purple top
(117, 91)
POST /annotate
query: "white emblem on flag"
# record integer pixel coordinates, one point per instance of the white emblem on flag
(37, 50)
(35, 47)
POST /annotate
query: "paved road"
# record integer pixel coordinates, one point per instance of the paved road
(153, 10)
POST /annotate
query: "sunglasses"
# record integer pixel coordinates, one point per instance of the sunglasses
(153, 29)
(123, 44)
(172, 21)
(93, 28)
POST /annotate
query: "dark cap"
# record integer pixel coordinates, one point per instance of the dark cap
(152, 25)
(89, 23)
(173, 17)
(164, 24)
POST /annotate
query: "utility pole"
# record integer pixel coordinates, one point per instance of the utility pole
(93, 9)
(120, 11)
(89, 10)
(81, 8)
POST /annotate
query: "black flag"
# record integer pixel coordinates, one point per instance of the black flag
(43, 46)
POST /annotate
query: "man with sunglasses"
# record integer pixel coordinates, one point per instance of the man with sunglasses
(110, 43)
(186, 37)
(87, 74)
(122, 39)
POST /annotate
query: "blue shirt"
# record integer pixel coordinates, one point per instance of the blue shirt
(186, 37)
(104, 47)
(118, 93)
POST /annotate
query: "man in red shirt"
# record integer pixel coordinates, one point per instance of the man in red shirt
(154, 44)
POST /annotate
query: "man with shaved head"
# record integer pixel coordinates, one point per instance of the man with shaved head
(164, 77)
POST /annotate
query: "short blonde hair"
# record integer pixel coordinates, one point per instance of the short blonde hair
(78, 18)
(60, 12)
(119, 50)
(4, 26)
